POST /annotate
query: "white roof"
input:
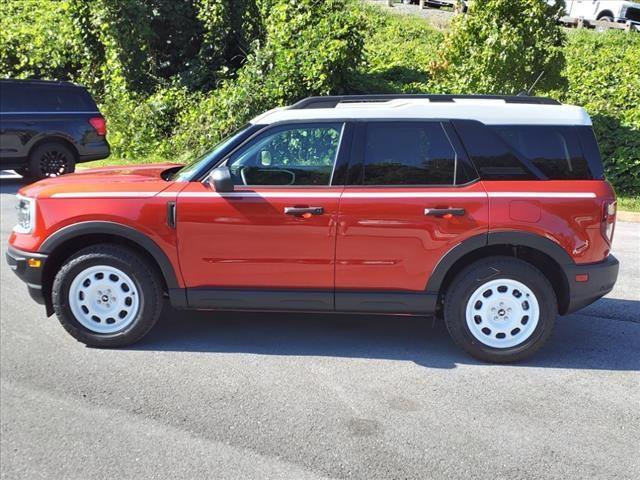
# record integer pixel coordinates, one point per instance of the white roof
(488, 111)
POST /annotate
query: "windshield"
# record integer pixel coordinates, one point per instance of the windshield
(187, 172)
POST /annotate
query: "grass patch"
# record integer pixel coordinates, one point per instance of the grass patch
(629, 204)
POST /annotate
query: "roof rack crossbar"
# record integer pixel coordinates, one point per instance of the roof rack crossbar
(331, 101)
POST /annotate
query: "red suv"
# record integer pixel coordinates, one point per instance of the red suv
(490, 212)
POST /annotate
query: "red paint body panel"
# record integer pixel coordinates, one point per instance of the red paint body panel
(146, 213)
(366, 239)
(390, 244)
(246, 240)
(572, 223)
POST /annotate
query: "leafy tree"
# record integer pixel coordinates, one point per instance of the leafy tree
(603, 71)
(309, 48)
(501, 46)
(37, 40)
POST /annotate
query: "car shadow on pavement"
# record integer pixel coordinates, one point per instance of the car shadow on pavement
(579, 341)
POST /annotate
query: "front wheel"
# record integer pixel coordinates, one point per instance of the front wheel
(500, 309)
(107, 296)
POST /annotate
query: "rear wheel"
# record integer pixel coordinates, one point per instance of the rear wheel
(500, 309)
(107, 296)
(51, 160)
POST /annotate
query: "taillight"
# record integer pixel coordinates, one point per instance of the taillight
(100, 125)
(608, 219)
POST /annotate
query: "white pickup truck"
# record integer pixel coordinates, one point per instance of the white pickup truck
(604, 10)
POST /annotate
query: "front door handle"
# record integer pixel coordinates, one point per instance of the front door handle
(303, 211)
(441, 212)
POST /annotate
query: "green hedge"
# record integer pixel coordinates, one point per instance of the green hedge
(603, 71)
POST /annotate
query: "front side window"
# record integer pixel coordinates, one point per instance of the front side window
(408, 153)
(301, 154)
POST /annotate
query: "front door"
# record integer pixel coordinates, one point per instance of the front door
(411, 197)
(270, 244)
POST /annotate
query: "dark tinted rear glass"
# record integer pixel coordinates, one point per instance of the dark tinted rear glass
(555, 150)
(408, 153)
(44, 98)
(491, 154)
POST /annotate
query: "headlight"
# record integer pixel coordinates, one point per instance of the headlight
(26, 212)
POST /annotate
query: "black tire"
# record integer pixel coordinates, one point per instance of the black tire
(51, 160)
(480, 273)
(23, 172)
(144, 276)
(606, 18)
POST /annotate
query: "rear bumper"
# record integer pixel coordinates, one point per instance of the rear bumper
(18, 261)
(94, 151)
(602, 278)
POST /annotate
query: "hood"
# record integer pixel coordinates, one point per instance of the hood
(136, 178)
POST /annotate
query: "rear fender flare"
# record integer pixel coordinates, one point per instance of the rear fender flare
(512, 238)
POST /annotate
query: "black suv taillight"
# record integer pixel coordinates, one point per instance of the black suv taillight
(99, 124)
(608, 219)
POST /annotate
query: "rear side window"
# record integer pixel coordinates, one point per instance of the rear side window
(44, 98)
(408, 153)
(555, 150)
(491, 154)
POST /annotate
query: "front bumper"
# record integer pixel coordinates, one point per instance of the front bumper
(18, 261)
(602, 278)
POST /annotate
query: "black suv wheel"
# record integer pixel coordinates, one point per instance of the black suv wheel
(500, 309)
(51, 160)
(107, 296)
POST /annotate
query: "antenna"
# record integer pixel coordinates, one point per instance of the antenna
(535, 83)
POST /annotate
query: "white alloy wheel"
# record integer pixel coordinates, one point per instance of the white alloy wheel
(104, 299)
(502, 313)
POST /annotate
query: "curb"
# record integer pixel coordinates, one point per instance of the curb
(633, 217)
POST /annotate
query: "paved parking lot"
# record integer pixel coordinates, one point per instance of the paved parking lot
(243, 396)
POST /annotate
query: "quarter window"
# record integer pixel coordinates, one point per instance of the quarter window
(408, 153)
(555, 150)
(301, 154)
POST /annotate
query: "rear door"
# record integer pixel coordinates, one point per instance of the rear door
(411, 197)
(272, 240)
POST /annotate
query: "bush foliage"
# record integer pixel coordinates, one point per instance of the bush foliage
(603, 71)
(502, 46)
(173, 77)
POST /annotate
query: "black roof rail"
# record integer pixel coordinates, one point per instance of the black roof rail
(331, 101)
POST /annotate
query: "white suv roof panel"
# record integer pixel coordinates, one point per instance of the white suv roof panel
(488, 111)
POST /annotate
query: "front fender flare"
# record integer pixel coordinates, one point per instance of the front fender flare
(116, 229)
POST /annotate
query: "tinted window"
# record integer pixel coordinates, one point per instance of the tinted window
(491, 154)
(301, 154)
(591, 151)
(44, 98)
(554, 150)
(408, 153)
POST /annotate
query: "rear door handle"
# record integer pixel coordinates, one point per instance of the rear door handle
(440, 212)
(300, 211)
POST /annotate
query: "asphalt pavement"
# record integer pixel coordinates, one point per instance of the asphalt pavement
(298, 396)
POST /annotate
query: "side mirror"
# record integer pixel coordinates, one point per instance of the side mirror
(220, 180)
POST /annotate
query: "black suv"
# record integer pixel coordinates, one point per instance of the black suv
(47, 127)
